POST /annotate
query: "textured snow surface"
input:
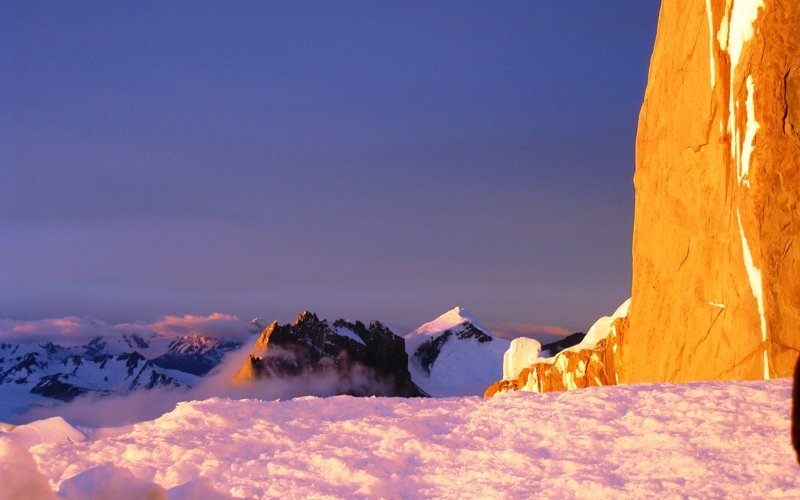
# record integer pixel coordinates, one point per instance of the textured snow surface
(49, 430)
(720, 439)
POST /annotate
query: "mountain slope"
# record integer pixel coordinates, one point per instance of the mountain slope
(454, 355)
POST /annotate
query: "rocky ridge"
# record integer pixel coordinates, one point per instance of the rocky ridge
(591, 362)
(360, 360)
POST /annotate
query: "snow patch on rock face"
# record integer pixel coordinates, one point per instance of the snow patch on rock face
(744, 13)
(520, 354)
(711, 65)
(751, 127)
(733, 38)
(463, 367)
(757, 287)
(350, 334)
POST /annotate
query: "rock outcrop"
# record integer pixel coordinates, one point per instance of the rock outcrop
(591, 362)
(716, 271)
(356, 359)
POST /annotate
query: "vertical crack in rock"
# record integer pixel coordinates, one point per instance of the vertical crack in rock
(743, 15)
(754, 276)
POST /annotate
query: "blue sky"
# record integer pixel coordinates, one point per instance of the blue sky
(370, 160)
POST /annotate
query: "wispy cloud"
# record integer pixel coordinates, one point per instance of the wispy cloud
(543, 333)
(214, 325)
(72, 330)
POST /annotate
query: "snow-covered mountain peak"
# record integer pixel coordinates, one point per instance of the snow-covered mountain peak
(453, 355)
(450, 319)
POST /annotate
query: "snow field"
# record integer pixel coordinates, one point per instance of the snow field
(720, 439)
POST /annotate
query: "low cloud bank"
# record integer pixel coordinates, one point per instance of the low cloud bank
(543, 333)
(95, 411)
(72, 330)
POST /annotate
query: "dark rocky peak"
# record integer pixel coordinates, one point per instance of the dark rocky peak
(95, 347)
(132, 360)
(556, 347)
(138, 341)
(307, 329)
(311, 345)
(378, 331)
(52, 386)
(306, 318)
(51, 348)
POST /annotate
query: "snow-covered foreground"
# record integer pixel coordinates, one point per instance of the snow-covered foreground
(700, 440)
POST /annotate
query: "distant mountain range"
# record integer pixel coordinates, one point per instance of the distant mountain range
(105, 365)
(453, 355)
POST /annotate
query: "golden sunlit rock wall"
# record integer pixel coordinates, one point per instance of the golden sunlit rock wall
(716, 253)
(571, 369)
